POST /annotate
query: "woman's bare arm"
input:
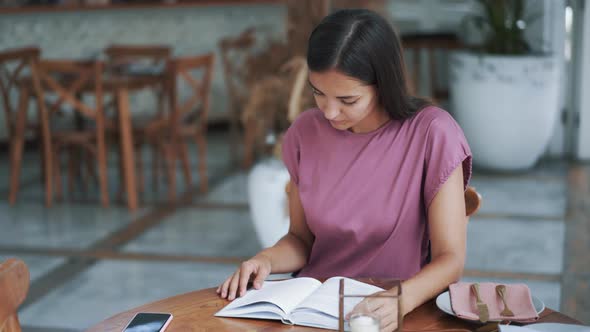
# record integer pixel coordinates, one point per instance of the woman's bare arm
(448, 234)
(289, 254)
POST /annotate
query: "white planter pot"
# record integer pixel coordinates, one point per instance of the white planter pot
(268, 200)
(506, 105)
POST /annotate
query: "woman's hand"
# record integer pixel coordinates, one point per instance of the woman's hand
(384, 308)
(257, 267)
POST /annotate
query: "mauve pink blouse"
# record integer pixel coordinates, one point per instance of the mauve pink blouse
(365, 196)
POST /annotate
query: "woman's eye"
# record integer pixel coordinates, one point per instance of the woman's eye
(316, 92)
(348, 102)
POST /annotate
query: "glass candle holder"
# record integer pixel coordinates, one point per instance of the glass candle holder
(361, 307)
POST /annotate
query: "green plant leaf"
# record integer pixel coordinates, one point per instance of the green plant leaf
(504, 35)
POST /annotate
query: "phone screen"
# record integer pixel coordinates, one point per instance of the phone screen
(148, 322)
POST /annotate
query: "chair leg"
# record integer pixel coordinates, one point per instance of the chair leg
(47, 158)
(170, 155)
(57, 174)
(140, 173)
(91, 169)
(85, 158)
(121, 177)
(155, 166)
(71, 170)
(101, 156)
(249, 141)
(234, 134)
(16, 146)
(186, 168)
(202, 151)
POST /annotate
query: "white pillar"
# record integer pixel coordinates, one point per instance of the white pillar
(583, 149)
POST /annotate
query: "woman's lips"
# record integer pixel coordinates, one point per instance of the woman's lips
(337, 123)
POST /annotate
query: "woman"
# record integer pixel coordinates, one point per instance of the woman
(377, 176)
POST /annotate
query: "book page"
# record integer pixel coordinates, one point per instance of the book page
(325, 298)
(285, 295)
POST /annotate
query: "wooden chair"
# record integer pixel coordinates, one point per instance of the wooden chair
(143, 60)
(188, 117)
(14, 286)
(429, 43)
(69, 81)
(15, 67)
(234, 55)
(472, 201)
(120, 56)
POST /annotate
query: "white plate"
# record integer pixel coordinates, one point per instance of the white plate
(443, 302)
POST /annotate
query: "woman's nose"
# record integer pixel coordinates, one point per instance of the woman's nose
(331, 111)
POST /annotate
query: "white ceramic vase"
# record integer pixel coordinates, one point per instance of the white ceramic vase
(268, 200)
(506, 105)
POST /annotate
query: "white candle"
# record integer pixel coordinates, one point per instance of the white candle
(362, 323)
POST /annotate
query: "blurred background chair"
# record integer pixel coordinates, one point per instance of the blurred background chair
(69, 81)
(189, 83)
(143, 60)
(235, 51)
(472, 201)
(14, 286)
(15, 71)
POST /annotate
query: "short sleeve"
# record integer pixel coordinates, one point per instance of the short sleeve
(291, 153)
(446, 149)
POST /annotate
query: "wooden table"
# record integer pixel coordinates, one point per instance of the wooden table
(119, 86)
(194, 312)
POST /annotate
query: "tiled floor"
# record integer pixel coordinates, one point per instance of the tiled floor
(519, 235)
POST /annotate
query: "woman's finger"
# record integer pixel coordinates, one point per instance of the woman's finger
(390, 327)
(261, 275)
(224, 287)
(233, 286)
(245, 271)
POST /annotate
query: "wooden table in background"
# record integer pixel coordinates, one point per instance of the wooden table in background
(194, 312)
(120, 87)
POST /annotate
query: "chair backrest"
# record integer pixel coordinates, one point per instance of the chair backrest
(14, 65)
(234, 55)
(122, 55)
(190, 81)
(68, 81)
(472, 201)
(14, 286)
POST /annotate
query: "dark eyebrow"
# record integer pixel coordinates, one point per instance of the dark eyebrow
(340, 97)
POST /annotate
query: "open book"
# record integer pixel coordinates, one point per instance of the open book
(298, 301)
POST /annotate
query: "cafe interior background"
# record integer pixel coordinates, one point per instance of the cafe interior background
(182, 214)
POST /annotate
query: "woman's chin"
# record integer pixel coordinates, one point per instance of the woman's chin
(340, 125)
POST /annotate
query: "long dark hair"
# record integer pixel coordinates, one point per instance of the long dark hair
(363, 45)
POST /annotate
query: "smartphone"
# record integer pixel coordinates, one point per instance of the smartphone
(149, 322)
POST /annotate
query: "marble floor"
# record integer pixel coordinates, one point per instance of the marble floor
(519, 235)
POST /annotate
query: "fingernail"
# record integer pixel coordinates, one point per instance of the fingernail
(257, 285)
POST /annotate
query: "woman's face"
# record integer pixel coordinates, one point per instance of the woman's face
(349, 104)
